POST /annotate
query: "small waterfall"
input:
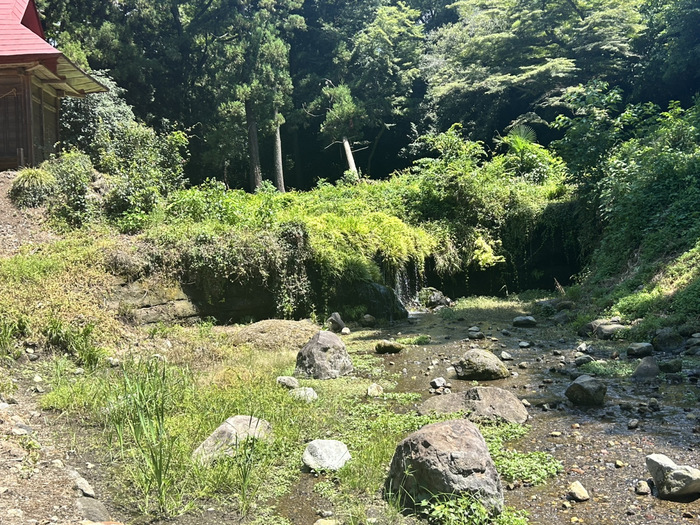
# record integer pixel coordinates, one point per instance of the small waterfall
(407, 283)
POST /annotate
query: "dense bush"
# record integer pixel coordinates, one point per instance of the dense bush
(143, 165)
(74, 201)
(643, 193)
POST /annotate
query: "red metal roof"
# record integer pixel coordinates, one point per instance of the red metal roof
(22, 44)
(20, 30)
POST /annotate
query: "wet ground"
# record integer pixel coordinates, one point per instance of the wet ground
(595, 445)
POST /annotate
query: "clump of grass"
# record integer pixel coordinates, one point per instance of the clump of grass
(616, 368)
(420, 339)
(76, 341)
(31, 187)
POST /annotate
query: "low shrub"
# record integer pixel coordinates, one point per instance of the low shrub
(32, 187)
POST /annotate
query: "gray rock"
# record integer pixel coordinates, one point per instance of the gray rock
(325, 454)
(587, 391)
(345, 331)
(640, 350)
(304, 393)
(375, 299)
(583, 360)
(608, 330)
(524, 321)
(475, 335)
(589, 328)
(323, 357)
(563, 317)
(668, 340)
(577, 492)
(375, 390)
(565, 305)
(288, 382)
(92, 510)
(82, 485)
(672, 366)
(228, 435)
(335, 323)
(368, 321)
(432, 298)
(388, 347)
(479, 403)
(642, 488)
(438, 382)
(672, 481)
(450, 457)
(647, 369)
(505, 356)
(480, 365)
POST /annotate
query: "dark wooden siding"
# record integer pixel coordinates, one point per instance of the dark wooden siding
(13, 125)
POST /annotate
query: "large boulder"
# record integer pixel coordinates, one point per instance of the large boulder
(601, 328)
(323, 357)
(608, 330)
(480, 365)
(668, 340)
(640, 350)
(444, 459)
(479, 403)
(228, 435)
(587, 390)
(673, 481)
(648, 369)
(524, 321)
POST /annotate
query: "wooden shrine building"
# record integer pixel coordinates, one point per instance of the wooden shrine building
(34, 76)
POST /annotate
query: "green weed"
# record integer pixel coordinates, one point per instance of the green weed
(532, 468)
(420, 339)
(618, 368)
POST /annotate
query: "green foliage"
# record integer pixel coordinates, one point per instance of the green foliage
(532, 468)
(609, 368)
(76, 341)
(461, 510)
(74, 202)
(10, 331)
(487, 209)
(465, 509)
(652, 255)
(32, 187)
(145, 166)
(85, 119)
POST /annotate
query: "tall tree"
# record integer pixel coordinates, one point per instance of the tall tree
(505, 56)
(384, 65)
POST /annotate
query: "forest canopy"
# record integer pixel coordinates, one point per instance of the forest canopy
(294, 91)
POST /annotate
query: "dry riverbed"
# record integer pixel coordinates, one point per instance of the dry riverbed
(595, 446)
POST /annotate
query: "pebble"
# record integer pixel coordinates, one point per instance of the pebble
(633, 423)
(642, 488)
